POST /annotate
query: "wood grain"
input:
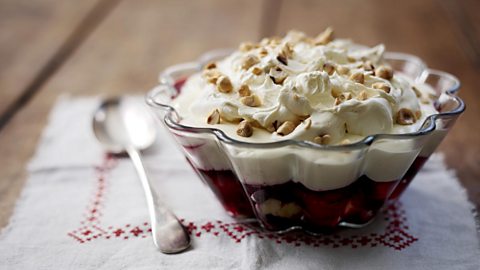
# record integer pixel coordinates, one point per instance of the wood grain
(33, 34)
(140, 38)
(124, 55)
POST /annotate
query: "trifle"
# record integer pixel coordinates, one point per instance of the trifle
(306, 132)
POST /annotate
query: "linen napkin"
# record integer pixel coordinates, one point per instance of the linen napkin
(84, 209)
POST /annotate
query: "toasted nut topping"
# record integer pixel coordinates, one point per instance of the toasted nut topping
(338, 101)
(384, 72)
(425, 101)
(308, 123)
(211, 75)
(368, 66)
(405, 117)
(351, 59)
(345, 141)
(382, 86)
(282, 59)
(245, 129)
(336, 92)
(329, 68)
(257, 71)
(224, 84)
(277, 75)
(342, 70)
(249, 61)
(362, 95)
(287, 50)
(214, 117)
(417, 92)
(357, 77)
(418, 114)
(272, 127)
(347, 96)
(322, 139)
(246, 46)
(210, 65)
(263, 52)
(244, 90)
(342, 97)
(251, 101)
(325, 37)
(286, 128)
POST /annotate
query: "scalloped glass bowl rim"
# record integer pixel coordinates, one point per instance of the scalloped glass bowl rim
(167, 84)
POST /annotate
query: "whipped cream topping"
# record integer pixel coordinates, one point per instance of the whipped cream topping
(317, 89)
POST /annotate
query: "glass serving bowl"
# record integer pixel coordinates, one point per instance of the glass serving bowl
(298, 184)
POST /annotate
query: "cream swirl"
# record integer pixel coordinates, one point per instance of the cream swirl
(320, 87)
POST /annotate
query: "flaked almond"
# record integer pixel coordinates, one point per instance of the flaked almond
(277, 75)
(249, 61)
(251, 101)
(322, 139)
(384, 72)
(357, 77)
(329, 68)
(417, 92)
(381, 86)
(342, 70)
(368, 66)
(362, 95)
(325, 37)
(224, 85)
(405, 117)
(286, 128)
(245, 129)
(211, 75)
(257, 71)
(214, 117)
(308, 123)
(246, 46)
(244, 91)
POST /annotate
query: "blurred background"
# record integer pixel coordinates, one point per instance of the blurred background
(111, 47)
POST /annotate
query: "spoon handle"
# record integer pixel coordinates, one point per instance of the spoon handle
(169, 236)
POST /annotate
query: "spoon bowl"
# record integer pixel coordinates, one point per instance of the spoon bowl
(118, 123)
(121, 125)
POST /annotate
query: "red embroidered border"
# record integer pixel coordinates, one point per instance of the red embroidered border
(395, 236)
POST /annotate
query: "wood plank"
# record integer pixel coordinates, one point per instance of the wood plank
(124, 55)
(32, 32)
(464, 15)
(424, 29)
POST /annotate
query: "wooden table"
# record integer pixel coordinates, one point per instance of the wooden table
(108, 47)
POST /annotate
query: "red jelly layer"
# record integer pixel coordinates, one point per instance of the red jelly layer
(322, 210)
(407, 179)
(229, 191)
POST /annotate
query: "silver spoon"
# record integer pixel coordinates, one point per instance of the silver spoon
(123, 126)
